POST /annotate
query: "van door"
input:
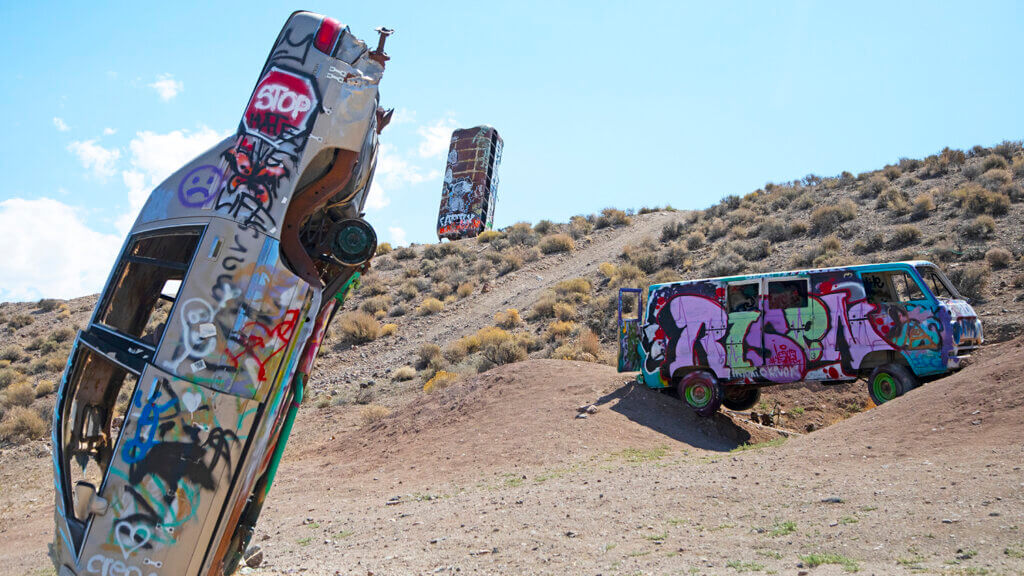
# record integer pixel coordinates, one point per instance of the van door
(744, 339)
(629, 330)
(788, 312)
(905, 317)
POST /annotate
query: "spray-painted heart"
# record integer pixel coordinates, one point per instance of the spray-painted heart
(130, 537)
(192, 400)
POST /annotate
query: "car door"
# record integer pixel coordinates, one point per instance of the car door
(744, 336)
(788, 311)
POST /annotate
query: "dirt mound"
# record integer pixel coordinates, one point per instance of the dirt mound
(525, 414)
(981, 406)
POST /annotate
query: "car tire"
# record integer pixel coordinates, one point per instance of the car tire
(741, 399)
(701, 391)
(890, 381)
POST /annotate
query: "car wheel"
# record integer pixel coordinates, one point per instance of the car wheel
(890, 381)
(740, 399)
(701, 392)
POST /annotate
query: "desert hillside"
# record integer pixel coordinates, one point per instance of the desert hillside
(440, 434)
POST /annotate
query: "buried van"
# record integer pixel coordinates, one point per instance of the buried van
(180, 393)
(720, 340)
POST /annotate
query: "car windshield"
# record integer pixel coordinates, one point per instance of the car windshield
(937, 281)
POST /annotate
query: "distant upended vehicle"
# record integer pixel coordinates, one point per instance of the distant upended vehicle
(178, 397)
(470, 190)
(720, 340)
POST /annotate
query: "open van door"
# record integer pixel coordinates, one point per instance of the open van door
(629, 329)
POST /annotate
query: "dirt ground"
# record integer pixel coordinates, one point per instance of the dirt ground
(496, 475)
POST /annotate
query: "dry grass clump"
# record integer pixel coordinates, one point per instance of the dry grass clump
(428, 353)
(695, 240)
(388, 330)
(404, 253)
(998, 258)
(923, 205)
(20, 393)
(19, 321)
(579, 227)
(643, 255)
(590, 343)
(508, 319)
(545, 227)
(563, 311)
(45, 388)
(971, 280)
(21, 424)
(979, 228)
(977, 200)
(672, 230)
(442, 379)
(573, 290)
(827, 218)
(48, 304)
(8, 376)
(376, 304)
(1018, 280)
(611, 217)
(560, 330)
(429, 306)
(627, 276)
(873, 243)
(383, 249)
(48, 364)
(726, 262)
(373, 413)
(465, 289)
(11, 354)
(556, 243)
(487, 236)
(774, 230)
(904, 236)
(358, 328)
(509, 263)
(893, 199)
(408, 291)
(403, 373)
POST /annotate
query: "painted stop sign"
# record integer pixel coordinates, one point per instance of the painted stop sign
(282, 107)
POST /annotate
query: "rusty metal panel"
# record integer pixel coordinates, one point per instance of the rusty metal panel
(470, 190)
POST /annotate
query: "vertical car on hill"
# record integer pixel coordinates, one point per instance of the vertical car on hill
(470, 189)
(179, 395)
(719, 340)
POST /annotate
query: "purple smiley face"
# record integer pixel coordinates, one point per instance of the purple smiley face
(199, 185)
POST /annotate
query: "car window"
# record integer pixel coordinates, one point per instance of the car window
(891, 286)
(783, 294)
(906, 287)
(743, 297)
(146, 283)
(935, 282)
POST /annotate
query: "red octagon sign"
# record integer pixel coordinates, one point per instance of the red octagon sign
(281, 107)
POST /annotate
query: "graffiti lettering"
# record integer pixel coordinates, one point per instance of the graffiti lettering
(104, 566)
(279, 99)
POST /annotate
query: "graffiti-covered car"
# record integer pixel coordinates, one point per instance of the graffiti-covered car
(470, 190)
(178, 396)
(719, 340)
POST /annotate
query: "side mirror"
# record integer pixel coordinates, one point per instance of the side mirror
(87, 502)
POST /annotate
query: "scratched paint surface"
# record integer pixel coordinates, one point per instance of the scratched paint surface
(818, 325)
(470, 190)
(175, 395)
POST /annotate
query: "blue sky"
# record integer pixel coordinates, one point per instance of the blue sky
(599, 103)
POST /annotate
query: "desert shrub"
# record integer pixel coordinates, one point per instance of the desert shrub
(873, 186)
(573, 290)
(388, 330)
(408, 291)
(35, 344)
(521, 234)
(738, 232)
(606, 269)
(828, 217)
(358, 328)
(993, 162)
(980, 227)
(429, 306)
(20, 424)
(1007, 148)
(465, 289)
(819, 255)
(11, 354)
(564, 311)
(977, 200)
(675, 255)
(487, 236)
(19, 394)
(544, 307)
(903, 236)
(559, 330)
(383, 249)
(372, 286)
(672, 230)
(872, 243)
(741, 216)
(47, 304)
(508, 319)
(774, 230)
(457, 350)
(611, 217)
(509, 263)
(19, 321)
(725, 263)
(998, 258)
(755, 249)
(398, 310)
(373, 413)
(544, 227)
(643, 255)
(694, 240)
(504, 352)
(44, 388)
(375, 304)
(47, 364)
(970, 280)
(923, 204)
(590, 343)
(404, 253)
(665, 276)
(579, 227)
(1018, 280)
(894, 200)
(627, 275)
(996, 179)
(441, 290)
(403, 373)
(427, 354)
(441, 380)
(892, 172)
(8, 376)
(556, 243)
(717, 229)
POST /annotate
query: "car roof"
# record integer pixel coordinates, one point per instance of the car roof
(853, 267)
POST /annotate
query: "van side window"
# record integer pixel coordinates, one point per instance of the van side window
(906, 287)
(146, 282)
(877, 287)
(891, 286)
(783, 294)
(743, 298)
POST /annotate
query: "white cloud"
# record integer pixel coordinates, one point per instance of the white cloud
(436, 137)
(60, 124)
(50, 252)
(397, 235)
(95, 158)
(154, 157)
(109, 131)
(393, 173)
(167, 87)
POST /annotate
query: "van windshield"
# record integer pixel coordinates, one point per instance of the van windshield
(937, 281)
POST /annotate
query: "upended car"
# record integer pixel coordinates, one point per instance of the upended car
(178, 397)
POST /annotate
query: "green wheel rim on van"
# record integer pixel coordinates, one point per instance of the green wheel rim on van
(698, 395)
(884, 387)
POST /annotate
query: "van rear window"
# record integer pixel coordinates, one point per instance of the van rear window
(783, 294)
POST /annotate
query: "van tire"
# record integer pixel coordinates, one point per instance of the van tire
(740, 399)
(890, 381)
(701, 391)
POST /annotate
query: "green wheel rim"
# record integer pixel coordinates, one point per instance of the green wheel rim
(884, 387)
(698, 395)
